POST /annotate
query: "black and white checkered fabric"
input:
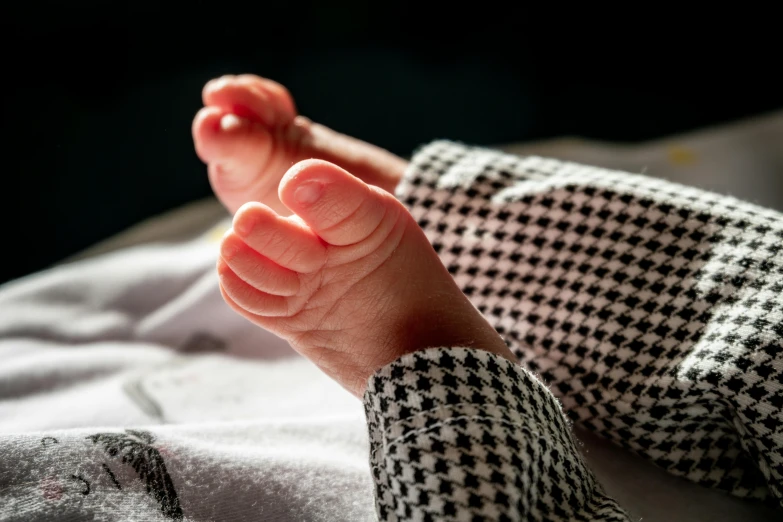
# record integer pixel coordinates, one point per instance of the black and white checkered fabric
(462, 434)
(652, 311)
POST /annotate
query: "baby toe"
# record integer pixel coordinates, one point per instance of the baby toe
(339, 207)
(258, 271)
(285, 241)
(247, 298)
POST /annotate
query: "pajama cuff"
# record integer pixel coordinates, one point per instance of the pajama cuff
(436, 384)
(476, 410)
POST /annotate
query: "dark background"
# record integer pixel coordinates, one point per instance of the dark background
(97, 103)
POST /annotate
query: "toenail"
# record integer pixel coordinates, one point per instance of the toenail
(308, 192)
(229, 122)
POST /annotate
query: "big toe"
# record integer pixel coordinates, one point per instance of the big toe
(339, 207)
(258, 99)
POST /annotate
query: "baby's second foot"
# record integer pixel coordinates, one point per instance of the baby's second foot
(350, 280)
(249, 135)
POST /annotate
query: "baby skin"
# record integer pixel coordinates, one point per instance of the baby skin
(320, 252)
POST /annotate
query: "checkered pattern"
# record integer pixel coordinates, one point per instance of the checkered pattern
(653, 311)
(460, 434)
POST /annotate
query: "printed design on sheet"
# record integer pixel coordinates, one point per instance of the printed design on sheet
(134, 448)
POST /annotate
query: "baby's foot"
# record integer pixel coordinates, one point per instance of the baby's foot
(249, 134)
(350, 280)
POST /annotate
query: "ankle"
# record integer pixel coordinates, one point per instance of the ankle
(455, 325)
